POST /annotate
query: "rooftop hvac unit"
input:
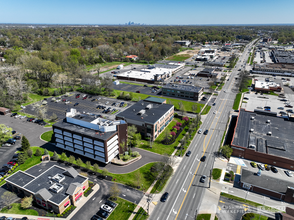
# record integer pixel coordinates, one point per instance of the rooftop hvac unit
(251, 130)
(252, 118)
(269, 133)
(268, 121)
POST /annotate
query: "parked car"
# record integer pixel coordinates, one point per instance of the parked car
(289, 106)
(145, 86)
(111, 204)
(253, 164)
(93, 100)
(77, 96)
(203, 179)
(85, 97)
(106, 208)
(67, 102)
(267, 167)
(96, 217)
(260, 166)
(11, 141)
(102, 213)
(281, 108)
(188, 153)
(138, 91)
(13, 114)
(11, 163)
(15, 156)
(288, 173)
(274, 169)
(106, 103)
(203, 159)
(164, 197)
(18, 137)
(76, 104)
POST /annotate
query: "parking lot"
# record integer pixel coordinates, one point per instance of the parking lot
(88, 105)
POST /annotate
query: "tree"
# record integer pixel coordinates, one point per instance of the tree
(96, 167)
(138, 179)
(22, 158)
(226, 150)
(98, 67)
(114, 191)
(104, 172)
(29, 152)
(41, 111)
(5, 133)
(7, 198)
(88, 165)
(53, 117)
(26, 202)
(166, 135)
(25, 144)
(46, 152)
(63, 156)
(38, 152)
(132, 130)
(71, 159)
(55, 156)
(79, 162)
(194, 108)
(136, 138)
(123, 145)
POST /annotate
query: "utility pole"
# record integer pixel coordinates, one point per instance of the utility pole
(210, 178)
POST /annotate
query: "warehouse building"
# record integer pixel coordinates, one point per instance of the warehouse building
(151, 116)
(274, 69)
(263, 86)
(183, 91)
(55, 189)
(95, 138)
(263, 136)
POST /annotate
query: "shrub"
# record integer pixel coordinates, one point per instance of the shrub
(186, 118)
(58, 215)
(46, 152)
(30, 152)
(38, 152)
(176, 127)
(179, 124)
(55, 156)
(25, 144)
(135, 154)
(173, 133)
(126, 157)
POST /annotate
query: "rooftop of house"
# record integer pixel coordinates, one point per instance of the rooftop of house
(187, 88)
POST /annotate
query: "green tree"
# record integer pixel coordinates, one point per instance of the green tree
(55, 156)
(46, 152)
(38, 152)
(26, 202)
(226, 150)
(25, 144)
(114, 191)
(71, 159)
(5, 133)
(96, 167)
(132, 130)
(136, 139)
(63, 156)
(104, 172)
(29, 152)
(22, 158)
(88, 165)
(79, 162)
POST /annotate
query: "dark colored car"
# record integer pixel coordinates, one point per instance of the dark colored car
(17, 137)
(164, 197)
(102, 213)
(30, 119)
(111, 204)
(42, 123)
(274, 169)
(203, 158)
(13, 132)
(15, 156)
(11, 141)
(14, 160)
(4, 170)
(138, 91)
(113, 104)
(90, 96)
(188, 153)
(76, 104)
(145, 86)
(96, 217)
(93, 100)
(13, 114)
(203, 179)
(85, 97)
(77, 96)
(205, 132)
(38, 121)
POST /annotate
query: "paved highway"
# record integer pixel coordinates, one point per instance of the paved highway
(185, 189)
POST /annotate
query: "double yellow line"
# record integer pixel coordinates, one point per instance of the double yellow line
(204, 148)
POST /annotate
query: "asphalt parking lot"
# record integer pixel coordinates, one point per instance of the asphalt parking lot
(134, 88)
(84, 106)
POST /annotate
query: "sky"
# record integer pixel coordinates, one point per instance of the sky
(157, 12)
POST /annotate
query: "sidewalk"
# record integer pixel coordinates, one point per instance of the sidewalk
(81, 204)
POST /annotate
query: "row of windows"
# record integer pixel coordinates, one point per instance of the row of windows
(186, 96)
(188, 93)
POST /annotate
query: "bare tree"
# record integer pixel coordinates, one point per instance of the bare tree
(7, 198)
(114, 191)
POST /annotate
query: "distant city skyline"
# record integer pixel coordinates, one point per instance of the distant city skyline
(186, 12)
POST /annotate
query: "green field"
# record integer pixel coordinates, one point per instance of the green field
(237, 101)
(141, 215)
(179, 57)
(187, 104)
(17, 209)
(123, 210)
(216, 173)
(203, 217)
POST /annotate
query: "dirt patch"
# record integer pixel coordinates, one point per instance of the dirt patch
(189, 52)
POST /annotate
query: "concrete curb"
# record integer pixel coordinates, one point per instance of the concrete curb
(128, 163)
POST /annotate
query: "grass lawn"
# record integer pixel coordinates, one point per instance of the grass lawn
(123, 210)
(34, 98)
(179, 57)
(206, 110)
(17, 209)
(262, 217)
(215, 218)
(248, 83)
(158, 147)
(237, 101)
(141, 215)
(159, 185)
(187, 104)
(108, 64)
(203, 217)
(147, 177)
(216, 173)
(271, 93)
(47, 136)
(248, 202)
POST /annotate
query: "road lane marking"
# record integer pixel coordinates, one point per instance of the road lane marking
(194, 196)
(100, 201)
(123, 195)
(219, 208)
(184, 167)
(177, 181)
(94, 198)
(221, 201)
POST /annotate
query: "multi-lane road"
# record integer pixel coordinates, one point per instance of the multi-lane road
(185, 189)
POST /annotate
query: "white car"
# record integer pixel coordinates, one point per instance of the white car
(17, 116)
(214, 112)
(58, 100)
(67, 102)
(23, 107)
(106, 208)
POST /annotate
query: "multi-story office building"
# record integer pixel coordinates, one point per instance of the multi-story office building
(95, 138)
(182, 91)
(150, 116)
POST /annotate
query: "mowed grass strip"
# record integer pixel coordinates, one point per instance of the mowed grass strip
(179, 58)
(123, 210)
(17, 209)
(237, 101)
